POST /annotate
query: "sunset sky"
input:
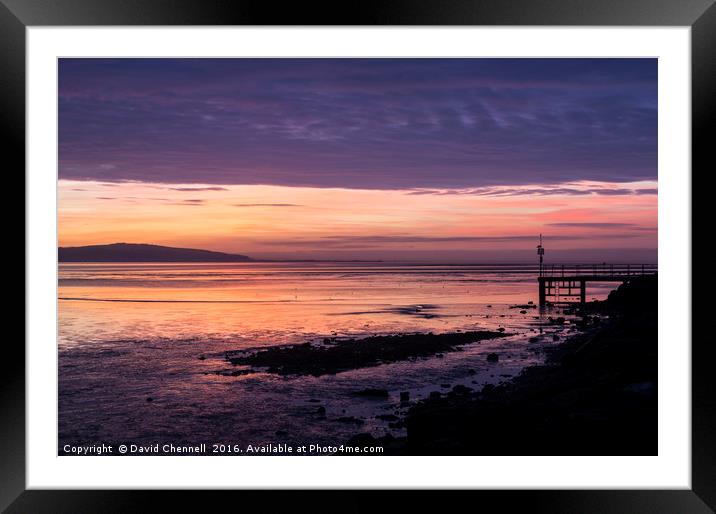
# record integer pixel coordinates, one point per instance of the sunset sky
(411, 159)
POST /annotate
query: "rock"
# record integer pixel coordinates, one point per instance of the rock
(489, 306)
(350, 419)
(314, 400)
(524, 306)
(461, 389)
(435, 395)
(321, 410)
(501, 329)
(641, 388)
(362, 440)
(596, 394)
(150, 399)
(445, 386)
(202, 357)
(533, 339)
(404, 396)
(523, 312)
(387, 417)
(352, 354)
(233, 373)
(492, 357)
(373, 393)
(555, 337)
(471, 371)
(530, 302)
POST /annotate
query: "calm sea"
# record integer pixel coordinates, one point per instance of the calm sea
(129, 332)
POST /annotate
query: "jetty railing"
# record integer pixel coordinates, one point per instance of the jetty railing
(598, 270)
(560, 281)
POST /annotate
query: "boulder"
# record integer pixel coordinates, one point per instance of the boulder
(350, 419)
(373, 393)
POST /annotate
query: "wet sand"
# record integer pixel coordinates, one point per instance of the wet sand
(596, 394)
(157, 372)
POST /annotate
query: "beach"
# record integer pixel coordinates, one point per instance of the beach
(596, 394)
(268, 355)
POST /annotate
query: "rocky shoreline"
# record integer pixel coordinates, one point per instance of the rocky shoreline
(336, 355)
(596, 394)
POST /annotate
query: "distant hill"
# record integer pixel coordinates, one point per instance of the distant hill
(126, 252)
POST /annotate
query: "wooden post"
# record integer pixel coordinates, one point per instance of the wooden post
(542, 295)
(582, 291)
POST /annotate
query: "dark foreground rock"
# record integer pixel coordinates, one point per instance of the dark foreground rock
(308, 359)
(373, 393)
(595, 395)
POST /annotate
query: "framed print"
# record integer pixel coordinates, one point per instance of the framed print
(414, 247)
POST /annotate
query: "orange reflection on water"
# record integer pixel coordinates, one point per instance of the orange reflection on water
(271, 303)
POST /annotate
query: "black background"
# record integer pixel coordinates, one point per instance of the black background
(16, 15)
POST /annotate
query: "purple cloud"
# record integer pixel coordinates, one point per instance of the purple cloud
(358, 123)
(534, 191)
(212, 188)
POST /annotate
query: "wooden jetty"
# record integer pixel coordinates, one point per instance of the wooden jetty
(568, 283)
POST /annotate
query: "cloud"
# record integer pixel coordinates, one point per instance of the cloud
(617, 192)
(356, 242)
(632, 227)
(537, 191)
(591, 225)
(358, 123)
(192, 201)
(210, 188)
(267, 205)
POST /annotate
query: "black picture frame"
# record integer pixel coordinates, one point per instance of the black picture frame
(700, 15)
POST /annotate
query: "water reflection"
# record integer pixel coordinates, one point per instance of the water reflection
(129, 333)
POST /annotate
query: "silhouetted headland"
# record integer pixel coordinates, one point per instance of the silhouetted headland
(128, 252)
(596, 394)
(135, 252)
